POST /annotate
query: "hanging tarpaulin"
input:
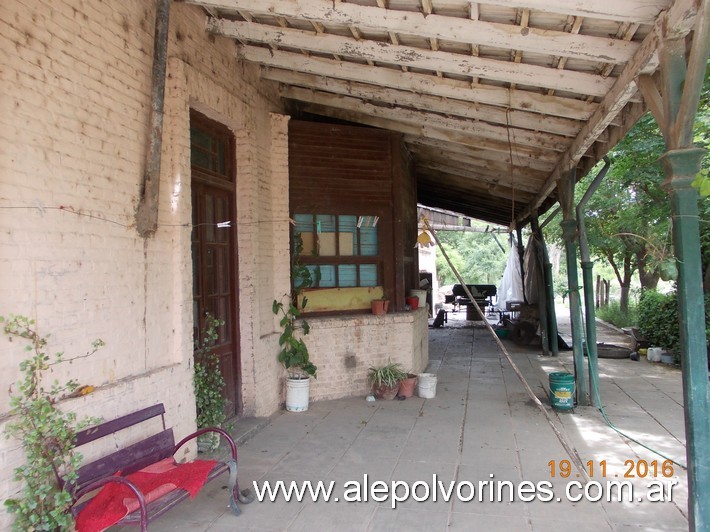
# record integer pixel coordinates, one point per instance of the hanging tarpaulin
(534, 279)
(511, 285)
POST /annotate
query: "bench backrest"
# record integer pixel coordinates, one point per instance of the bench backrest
(130, 458)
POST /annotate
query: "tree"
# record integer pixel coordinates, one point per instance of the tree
(476, 256)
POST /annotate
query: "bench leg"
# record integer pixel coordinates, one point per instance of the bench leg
(244, 496)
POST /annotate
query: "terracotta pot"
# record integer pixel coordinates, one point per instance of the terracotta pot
(406, 387)
(379, 306)
(385, 392)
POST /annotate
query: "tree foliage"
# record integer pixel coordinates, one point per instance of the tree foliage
(476, 256)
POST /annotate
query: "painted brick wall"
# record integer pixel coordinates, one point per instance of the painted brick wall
(344, 348)
(74, 112)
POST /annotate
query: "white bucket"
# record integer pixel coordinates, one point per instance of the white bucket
(654, 354)
(421, 295)
(297, 391)
(426, 385)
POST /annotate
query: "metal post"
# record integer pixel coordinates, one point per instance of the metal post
(569, 233)
(588, 281)
(548, 318)
(680, 167)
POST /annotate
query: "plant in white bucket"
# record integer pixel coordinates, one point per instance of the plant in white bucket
(293, 353)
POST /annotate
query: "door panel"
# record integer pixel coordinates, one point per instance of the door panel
(214, 252)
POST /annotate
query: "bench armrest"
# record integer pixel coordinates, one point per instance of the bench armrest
(120, 480)
(225, 435)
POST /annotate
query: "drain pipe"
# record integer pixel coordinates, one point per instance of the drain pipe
(147, 211)
(587, 280)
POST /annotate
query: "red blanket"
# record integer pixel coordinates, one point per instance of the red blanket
(115, 501)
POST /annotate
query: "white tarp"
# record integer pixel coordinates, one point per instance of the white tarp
(511, 285)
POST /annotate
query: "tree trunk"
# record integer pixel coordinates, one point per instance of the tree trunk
(623, 279)
(648, 278)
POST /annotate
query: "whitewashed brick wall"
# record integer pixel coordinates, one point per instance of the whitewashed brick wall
(344, 348)
(74, 113)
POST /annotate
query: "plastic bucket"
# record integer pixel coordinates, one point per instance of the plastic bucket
(413, 302)
(654, 354)
(562, 391)
(426, 385)
(297, 394)
(421, 295)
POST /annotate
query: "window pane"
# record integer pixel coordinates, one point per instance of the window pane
(368, 241)
(325, 227)
(347, 238)
(368, 275)
(347, 275)
(327, 276)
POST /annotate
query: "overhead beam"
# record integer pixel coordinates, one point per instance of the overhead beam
(459, 150)
(518, 183)
(432, 26)
(518, 73)
(450, 107)
(418, 83)
(469, 139)
(635, 11)
(468, 162)
(420, 118)
(645, 62)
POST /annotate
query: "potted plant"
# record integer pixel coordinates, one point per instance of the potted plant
(209, 384)
(384, 380)
(293, 352)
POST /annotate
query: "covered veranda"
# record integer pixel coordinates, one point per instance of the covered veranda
(481, 426)
(504, 105)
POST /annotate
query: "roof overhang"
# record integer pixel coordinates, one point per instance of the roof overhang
(496, 101)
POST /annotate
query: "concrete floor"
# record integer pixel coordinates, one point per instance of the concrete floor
(480, 424)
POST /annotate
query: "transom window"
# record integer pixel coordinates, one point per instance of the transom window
(341, 251)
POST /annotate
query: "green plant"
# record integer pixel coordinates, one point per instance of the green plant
(47, 435)
(293, 352)
(208, 380)
(387, 376)
(613, 314)
(658, 318)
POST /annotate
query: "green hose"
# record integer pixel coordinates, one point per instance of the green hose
(595, 385)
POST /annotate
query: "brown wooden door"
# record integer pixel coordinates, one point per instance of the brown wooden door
(214, 260)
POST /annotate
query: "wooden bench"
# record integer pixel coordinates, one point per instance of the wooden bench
(144, 453)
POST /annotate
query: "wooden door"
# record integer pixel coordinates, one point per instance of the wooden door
(214, 256)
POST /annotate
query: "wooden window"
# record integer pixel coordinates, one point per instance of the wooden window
(340, 250)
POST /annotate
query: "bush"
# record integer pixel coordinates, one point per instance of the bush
(658, 319)
(613, 314)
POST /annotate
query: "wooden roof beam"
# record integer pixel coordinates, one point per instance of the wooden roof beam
(470, 31)
(493, 114)
(419, 83)
(424, 119)
(382, 52)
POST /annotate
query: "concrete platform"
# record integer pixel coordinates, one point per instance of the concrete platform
(481, 426)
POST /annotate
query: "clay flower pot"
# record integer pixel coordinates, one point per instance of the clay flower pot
(386, 393)
(380, 306)
(406, 387)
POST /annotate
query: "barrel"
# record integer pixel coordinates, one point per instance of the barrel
(562, 391)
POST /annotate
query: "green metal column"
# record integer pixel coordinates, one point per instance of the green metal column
(551, 312)
(547, 297)
(591, 329)
(588, 281)
(569, 234)
(681, 166)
